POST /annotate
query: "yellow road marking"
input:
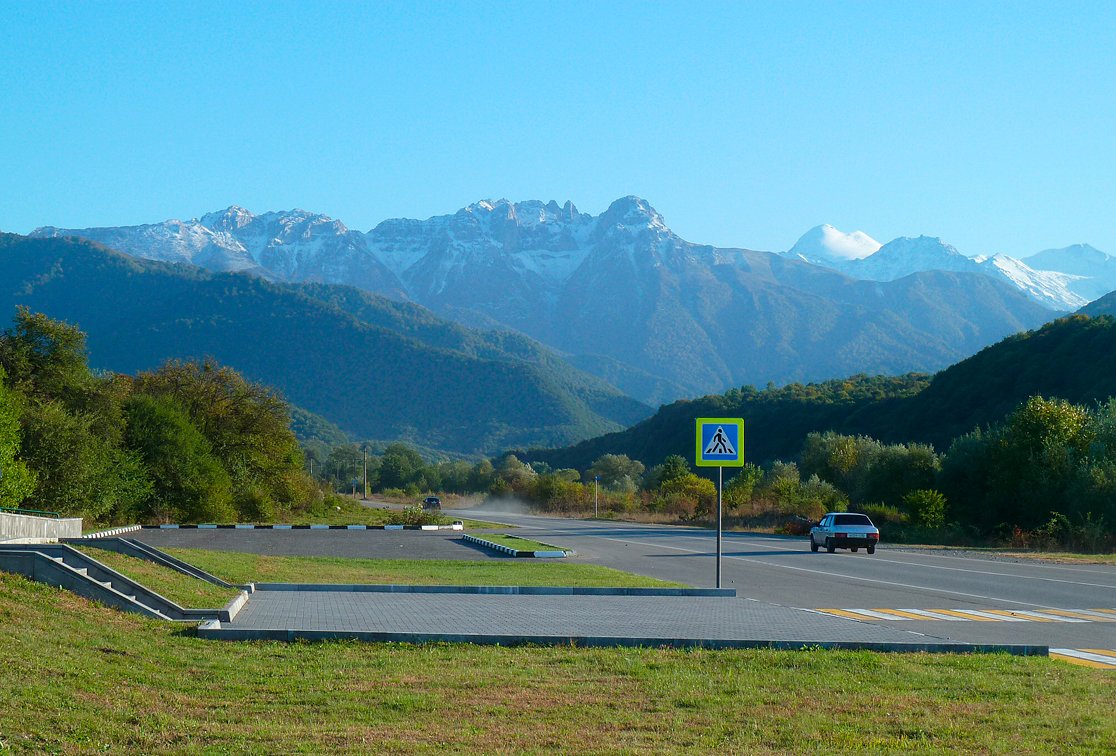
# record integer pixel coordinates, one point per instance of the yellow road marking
(901, 613)
(847, 615)
(1109, 612)
(1082, 662)
(1078, 615)
(952, 613)
(1009, 613)
(1101, 652)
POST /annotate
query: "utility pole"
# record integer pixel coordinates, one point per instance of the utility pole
(365, 450)
(596, 478)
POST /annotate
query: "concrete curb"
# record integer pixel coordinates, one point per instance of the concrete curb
(517, 590)
(113, 532)
(241, 526)
(230, 610)
(213, 630)
(516, 552)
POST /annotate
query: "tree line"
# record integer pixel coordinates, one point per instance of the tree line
(188, 442)
(1045, 475)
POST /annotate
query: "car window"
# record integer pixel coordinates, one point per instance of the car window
(852, 519)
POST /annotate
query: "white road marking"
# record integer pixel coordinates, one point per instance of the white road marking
(1076, 654)
(877, 615)
(889, 583)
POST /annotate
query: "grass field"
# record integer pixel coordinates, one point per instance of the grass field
(76, 677)
(520, 544)
(260, 568)
(186, 591)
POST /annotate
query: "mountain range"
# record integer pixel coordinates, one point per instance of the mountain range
(623, 297)
(1061, 279)
(380, 369)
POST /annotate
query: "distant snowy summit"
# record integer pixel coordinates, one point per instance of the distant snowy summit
(1060, 279)
(825, 245)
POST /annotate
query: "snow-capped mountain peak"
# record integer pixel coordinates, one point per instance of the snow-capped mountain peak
(632, 212)
(1094, 271)
(825, 245)
(230, 219)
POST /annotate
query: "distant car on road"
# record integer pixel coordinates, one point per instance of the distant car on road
(431, 502)
(844, 530)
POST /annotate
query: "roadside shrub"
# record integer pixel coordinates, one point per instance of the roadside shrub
(417, 516)
(883, 514)
(927, 506)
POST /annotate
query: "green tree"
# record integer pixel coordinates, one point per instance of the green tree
(189, 484)
(247, 426)
(17, 481)
(617, 471)
(400, 466)
(79, 472)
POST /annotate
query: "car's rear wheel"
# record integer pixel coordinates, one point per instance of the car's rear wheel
(813, 545)
(829, 547)
(871, 549)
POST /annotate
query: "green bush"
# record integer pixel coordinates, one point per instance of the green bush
(927, 506)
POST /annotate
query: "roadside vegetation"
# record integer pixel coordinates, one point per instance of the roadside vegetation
(103, 680)
(235, 567)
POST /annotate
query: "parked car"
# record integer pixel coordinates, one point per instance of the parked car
(431, 502)
(844, 530)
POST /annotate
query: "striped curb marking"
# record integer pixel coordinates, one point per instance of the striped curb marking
(976, 615)
(554, 554)
(1098, 658)
(113, 532)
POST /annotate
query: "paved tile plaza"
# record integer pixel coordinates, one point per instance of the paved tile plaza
(652, 618)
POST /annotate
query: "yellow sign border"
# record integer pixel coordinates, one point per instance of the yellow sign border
(739, 461)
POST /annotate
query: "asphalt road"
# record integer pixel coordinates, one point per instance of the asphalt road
(783, 571)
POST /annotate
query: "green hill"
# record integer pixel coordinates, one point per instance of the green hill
(377, 369)
(1073, 358)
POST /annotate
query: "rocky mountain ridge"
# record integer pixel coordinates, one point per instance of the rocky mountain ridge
(619, 293)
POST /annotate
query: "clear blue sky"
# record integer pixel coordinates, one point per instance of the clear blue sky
(992, 125)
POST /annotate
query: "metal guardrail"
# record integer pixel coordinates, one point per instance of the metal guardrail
(32, 512)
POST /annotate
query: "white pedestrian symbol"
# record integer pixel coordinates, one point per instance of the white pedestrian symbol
(720, 444)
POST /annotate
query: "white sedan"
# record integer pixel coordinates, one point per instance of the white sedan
(844, 530)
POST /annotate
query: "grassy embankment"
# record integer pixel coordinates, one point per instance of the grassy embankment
(262, 568)
(520, 544)
(77, 677)
(186, 591)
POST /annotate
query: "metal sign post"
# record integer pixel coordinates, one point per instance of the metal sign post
(720, 444)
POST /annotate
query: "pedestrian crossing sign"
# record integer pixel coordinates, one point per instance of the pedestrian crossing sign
(720, 442)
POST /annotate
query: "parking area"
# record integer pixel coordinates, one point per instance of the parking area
(360, 544)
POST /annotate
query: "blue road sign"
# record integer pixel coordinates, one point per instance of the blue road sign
(720, 442)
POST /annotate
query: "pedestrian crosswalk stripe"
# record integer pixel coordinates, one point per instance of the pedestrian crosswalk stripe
(903, 613)
(843, 613)
(966, 615)
(975, 615)
(1011, 616)
(927, 614)
(1046, 616)
(877, 614)
(1096, 658)
(1081, 614)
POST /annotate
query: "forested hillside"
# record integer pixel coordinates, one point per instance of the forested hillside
(1073, 358)
(378, 370)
